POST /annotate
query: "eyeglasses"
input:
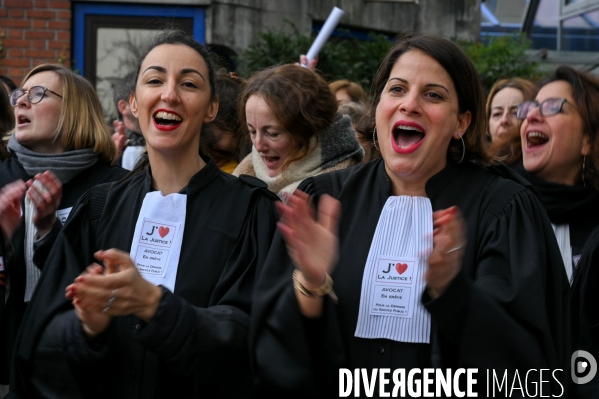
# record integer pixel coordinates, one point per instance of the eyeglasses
(34, 95)
(548, 107)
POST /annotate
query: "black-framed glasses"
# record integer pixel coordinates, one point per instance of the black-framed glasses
(34, 95)
(547, 107)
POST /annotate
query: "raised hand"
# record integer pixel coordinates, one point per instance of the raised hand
(45, 191)
(312, 241)
(10, 207)
(119, 137)
(449, 239)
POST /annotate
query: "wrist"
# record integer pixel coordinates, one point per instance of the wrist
(151, 304)
(314, 291)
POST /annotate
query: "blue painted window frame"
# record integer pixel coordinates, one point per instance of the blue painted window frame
(80, 10)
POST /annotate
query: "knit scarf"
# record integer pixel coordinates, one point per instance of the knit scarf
(336, 148)
(65, 166)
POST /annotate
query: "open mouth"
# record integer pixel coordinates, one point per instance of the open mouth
(271, 161)
(534, 139)
(21, 119)
(165, 120)
(407, 138)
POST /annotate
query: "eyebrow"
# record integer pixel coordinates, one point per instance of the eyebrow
(427, 85)
(184, 71)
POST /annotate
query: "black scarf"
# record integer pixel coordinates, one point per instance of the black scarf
(563, 203)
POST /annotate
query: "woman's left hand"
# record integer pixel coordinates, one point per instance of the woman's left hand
(449, 239)
(123, 291)
(45, 191)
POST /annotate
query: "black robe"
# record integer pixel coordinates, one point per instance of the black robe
(505, 310)
(198, 337)
(12, 312)
(585, 310)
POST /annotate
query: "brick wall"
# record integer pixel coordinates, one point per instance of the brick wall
(33, 32)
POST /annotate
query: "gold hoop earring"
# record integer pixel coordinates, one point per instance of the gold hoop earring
(374, 139)
(463, 149)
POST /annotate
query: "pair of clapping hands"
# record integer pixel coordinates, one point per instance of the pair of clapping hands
(45, 192)
(312, 242)
(117, 289)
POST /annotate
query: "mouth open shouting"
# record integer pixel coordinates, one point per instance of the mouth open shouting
(166, 120)
(535, 140)
(407, 137)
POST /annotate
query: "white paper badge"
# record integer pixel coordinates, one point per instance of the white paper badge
(158, 236)
(393, 279)
(63, 214)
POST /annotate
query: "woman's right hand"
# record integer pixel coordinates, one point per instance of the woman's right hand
(312, 242)
(10, 207)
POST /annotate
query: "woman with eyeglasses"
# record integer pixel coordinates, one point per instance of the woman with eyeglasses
(61, 147)
(560, 155)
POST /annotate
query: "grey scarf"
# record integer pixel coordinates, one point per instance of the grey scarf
(65, 166)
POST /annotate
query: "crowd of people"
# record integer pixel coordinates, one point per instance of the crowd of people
(240, 238)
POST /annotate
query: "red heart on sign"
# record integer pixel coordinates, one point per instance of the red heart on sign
(401, 267)
(163, 231)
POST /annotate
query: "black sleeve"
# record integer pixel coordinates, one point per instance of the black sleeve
(42, 325)
(517, 295)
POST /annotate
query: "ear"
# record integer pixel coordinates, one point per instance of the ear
(463, 124)
(212, 111)
(122, 106)
(133, 104)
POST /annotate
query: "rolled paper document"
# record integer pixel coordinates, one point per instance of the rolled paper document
(324, 34)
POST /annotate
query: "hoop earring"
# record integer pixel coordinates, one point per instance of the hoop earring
(463, 149)
(374, 139)
(584, 160)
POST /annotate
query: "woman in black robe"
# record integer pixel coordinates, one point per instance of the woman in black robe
(62, 147)
(495, 294)
(560, 156)
(171, 318)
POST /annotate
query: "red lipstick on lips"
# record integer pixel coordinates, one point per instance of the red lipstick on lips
(413, 147)
(165, 128)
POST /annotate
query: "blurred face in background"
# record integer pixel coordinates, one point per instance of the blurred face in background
(273, 143)
(504, 105)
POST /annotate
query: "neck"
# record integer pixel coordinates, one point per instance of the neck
(172, 172)
(413, 186)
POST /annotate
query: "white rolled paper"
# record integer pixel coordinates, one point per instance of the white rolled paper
(324, 34)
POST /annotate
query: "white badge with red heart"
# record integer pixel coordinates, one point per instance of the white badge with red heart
(393, 293)
(156, 246)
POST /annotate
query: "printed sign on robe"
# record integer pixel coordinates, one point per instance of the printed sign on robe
(393, 279)
(158, 236)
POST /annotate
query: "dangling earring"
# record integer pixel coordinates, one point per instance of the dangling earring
(463, 149)
(374, 139)
(584, 160)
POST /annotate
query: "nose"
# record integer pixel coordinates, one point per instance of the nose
(410, 103)
(534, 115)
(506, 118)
(23, 101)
(170, 93)
(260, 143)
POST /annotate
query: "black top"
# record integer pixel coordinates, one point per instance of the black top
(12, 312)
(196, 340)
(577, 206)
(506, 309)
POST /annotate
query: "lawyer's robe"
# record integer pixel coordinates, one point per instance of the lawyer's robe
(506, 309)
(197, 340)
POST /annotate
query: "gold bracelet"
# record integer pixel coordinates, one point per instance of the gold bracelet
(325, 289)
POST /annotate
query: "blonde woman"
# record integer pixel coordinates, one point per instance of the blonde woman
(60, 148)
